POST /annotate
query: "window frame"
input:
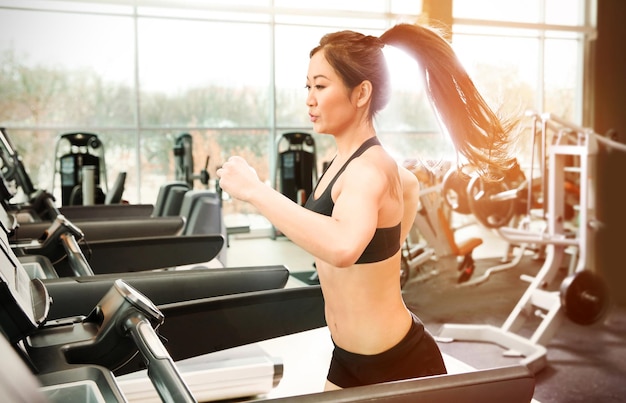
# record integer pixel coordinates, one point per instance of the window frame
(263, 12)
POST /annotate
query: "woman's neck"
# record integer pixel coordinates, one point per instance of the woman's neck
(347, 143)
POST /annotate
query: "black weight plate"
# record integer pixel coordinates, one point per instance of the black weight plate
(584, 297)
(454, 189)
(490, 213)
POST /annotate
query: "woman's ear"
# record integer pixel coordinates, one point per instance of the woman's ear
(363, 93)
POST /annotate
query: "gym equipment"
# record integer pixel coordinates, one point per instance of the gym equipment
(412, 258)
(151, 253)
(178, 199)
(202, 210)
(17, 382)
(126, 220)
(107, 211)
(508, 384)
(103, 228)
(511, 384)
(109, 242)
(579, 297)
(71, 297)
(35, 207)
(55, 376)
(114, 195)
(584, 297)
(80, 357)
(506, 265)
(170, 199)
(108, 231)
(123, 323)
(183, 158)
(168, 204)
(454, 188)
(491, 202)
(79, 350)
(12, 166)
(111, 248)
(297, 166)
(464, 250)
(74, 296)
(70, 350)
(86, 382)
(74, 152)
(416, 253)
(433, 225)
(513, 201)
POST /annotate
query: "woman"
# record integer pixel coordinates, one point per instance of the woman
(364, 204)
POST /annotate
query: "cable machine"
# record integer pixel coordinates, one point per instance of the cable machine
(80, 152)
(183, 157)
(296, 173)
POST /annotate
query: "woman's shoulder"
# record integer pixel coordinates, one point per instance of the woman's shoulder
(373, 162)
(408, 179)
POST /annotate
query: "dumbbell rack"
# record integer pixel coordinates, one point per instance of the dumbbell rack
(537, 299)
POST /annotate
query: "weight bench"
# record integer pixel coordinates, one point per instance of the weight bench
(464, 250)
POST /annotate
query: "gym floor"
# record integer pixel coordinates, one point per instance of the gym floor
(585, 363)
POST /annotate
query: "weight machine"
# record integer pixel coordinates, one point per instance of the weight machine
(493, 203)
(81, 166)
(512, 201)
(415, 252)
(432, 223)
(296, 167)
(183, 157)
(582, 296)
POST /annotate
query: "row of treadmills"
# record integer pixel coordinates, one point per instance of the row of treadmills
(93, 295)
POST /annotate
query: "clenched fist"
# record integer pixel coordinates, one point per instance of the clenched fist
(238, 179)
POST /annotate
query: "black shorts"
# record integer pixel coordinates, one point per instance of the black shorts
(416, 355)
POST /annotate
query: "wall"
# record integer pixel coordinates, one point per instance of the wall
(609, 113)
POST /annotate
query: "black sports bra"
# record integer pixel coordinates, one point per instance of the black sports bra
(385, 242)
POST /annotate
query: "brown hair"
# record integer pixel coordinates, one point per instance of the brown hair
(475, 130)
(356, 58)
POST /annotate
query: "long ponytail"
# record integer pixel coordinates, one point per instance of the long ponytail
(475, 130)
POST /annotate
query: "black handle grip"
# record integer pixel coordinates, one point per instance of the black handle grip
(161, 369)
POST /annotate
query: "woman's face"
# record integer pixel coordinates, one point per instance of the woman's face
(331, 109)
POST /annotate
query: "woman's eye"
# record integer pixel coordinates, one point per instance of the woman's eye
(317, 87)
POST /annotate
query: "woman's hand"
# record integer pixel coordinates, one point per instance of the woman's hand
(237, 178)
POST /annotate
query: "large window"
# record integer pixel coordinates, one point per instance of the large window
(232, 74)
(525, 55)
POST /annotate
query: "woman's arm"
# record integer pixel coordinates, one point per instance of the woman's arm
(338, 240)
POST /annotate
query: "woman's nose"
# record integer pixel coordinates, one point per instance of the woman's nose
(310, 99)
